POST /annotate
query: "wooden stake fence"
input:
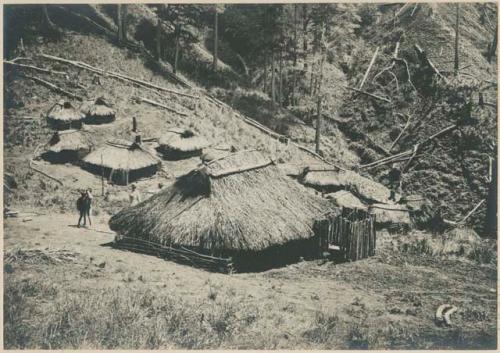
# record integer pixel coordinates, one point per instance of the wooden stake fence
(353, 231)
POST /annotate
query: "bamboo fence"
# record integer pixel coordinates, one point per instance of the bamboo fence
(352, 230)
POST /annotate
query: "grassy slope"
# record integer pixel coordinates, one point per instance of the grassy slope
(79, 293)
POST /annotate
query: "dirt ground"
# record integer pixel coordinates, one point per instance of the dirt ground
(388, 301)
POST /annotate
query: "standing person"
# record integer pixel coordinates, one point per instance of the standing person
(80, 206)
(88, 204)
(395, 177)
(135, 196)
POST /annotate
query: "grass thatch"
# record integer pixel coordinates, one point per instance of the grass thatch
(98, 112)
(64, 115)
(333, 179)
(121, 155)
(69, 145)
(217, 208)
(181, 140)
(344, 198)
(391, 214)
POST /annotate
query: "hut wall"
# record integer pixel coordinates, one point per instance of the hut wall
(175, 155)
(64, 125)
(119, 176)
(98, 120)
(65, 156)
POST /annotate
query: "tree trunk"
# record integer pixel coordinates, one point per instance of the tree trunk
(273, 96)
(48, 23)
(124, 21)
(265, 73)
(177, 46)
(491, 202)
(318, 125)
(456, 38)
(311, 87)
(493, 46)
(120, 23)
(319, 83)
(304, 34)
(158, 40)
(280, 92)
(294, 79)
(216, 38)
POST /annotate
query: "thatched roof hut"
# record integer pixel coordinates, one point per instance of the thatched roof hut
(239, 205)
(391, 216)
(179, 143)
(331, 179)
(122, 162)
(68, 146)
(98, 112)
(64, 116)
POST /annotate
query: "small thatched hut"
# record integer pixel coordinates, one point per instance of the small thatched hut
(392, 217)
(98, 112)
(68, 146)
(178, 143)
(63, 116)
(239, 206)
(330, 179)
(122, 162)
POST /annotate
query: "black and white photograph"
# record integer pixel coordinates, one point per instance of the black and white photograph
(265, 176)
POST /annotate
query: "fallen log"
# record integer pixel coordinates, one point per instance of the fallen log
(53, 87)
(368, 94)
(45, 174)
(400, 134)
(369, 68)
(47, 71)
(103, 72)
(156, 104)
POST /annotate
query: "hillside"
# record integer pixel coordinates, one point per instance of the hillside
(281, 69)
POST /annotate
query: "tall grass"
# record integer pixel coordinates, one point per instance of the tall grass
(115, 318)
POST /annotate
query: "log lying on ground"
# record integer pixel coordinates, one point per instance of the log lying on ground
(31, 67)
(409, 154)
(156, 104)
(368, 94)
(116, 75)
(54, 87)
(369, 68)
(400, 134)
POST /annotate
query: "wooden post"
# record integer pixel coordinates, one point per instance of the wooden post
(102, 175)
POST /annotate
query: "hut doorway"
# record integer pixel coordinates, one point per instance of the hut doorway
(348, 233)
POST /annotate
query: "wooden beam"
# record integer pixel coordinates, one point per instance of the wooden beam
(368, 94)
(369, 68)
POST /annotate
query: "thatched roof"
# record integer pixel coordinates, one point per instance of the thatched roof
(70, 140)
(121, 155)
(183, 140)
(331, 177)
(65, 112)
(216, 152)
(240, 202)
(99, 108)
(391, 214)
(344, 198)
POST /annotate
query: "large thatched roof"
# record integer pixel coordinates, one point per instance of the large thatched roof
(64, 111)
(183, 140)
(70, 140)
(99, 108)
(331, 177)
(121, 155)
(238, 202)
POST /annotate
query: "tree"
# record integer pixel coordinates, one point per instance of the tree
(493, 45)
(456, 37)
